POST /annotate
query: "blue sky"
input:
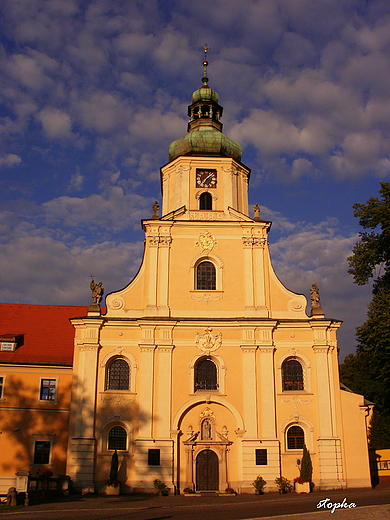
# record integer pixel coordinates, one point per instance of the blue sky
(93, 92)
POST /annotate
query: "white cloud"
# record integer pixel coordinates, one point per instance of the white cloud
(113, 211)
(56, 123)
(40, 269)
(318, 254)
(10, 159)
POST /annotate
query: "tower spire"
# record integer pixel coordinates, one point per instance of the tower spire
(205, 79)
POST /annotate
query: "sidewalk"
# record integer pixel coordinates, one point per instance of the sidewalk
(359, 513)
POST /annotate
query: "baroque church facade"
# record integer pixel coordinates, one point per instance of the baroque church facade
(205, 371)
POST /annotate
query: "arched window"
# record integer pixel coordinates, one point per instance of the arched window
(117, 438)
(292, 375)
(118, 375)
(206, 201)
(206, 276)
(205, 375)
(295, 438)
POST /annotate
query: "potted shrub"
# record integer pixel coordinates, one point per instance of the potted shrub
(188, 491)
(283, 484)
(112, 483)
(302, 483)
(161, 488)
(230, 491)
(259, 484)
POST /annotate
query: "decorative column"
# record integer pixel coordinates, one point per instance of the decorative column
(267, 391)
(164, 392)
(329, 446)
(249, 390)
(323, 391)
(248, 270)
(81, 461)
(146, 385)
(258, 250)
(152, 271)
(163, 273)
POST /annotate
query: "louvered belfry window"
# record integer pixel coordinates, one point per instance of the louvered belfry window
(206, 276)
(118, 375)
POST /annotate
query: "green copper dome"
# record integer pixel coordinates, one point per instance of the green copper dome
(205, 135)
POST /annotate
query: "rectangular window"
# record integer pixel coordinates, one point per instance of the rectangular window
(7, 346)
(153, 457)
(48, 390)
(42, 452)
(261, 457)
(1, 386)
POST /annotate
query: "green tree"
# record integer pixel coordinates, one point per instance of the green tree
(369, 371)
(306, 465)
(371, 254)
(114, 468)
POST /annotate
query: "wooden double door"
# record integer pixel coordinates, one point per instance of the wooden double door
(207, 471)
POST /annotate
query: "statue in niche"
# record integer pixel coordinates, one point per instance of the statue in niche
(207, 434)
(256, 212)
(97, 292)
(155, 208)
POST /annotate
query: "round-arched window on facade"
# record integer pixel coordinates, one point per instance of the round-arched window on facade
(295, 438)
(206, 277)
(206, 201)
(118, 375)
(205, 375)
(292, 375)
(117, 438)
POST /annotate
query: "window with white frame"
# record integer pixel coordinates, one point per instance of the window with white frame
(48, 390)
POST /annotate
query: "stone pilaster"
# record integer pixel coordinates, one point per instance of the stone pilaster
(249, 389)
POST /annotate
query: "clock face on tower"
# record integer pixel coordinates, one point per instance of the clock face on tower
(206, 178)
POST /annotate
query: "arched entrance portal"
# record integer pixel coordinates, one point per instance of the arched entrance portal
(207, 473)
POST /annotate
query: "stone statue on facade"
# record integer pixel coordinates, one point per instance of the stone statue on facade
(97, 292)
(256, 212)
(315, 300)
(155, 208)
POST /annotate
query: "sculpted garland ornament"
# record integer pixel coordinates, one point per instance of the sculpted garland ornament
(208, 342)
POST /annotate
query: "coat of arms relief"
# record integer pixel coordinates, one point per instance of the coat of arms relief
(208, 342)
(206, 241)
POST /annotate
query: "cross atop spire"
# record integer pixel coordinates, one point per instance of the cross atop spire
(205, 79)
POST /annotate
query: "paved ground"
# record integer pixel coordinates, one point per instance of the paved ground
(370, 504)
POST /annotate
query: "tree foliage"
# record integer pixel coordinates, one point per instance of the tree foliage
(368, 372)
(371, 254)
(306, 465)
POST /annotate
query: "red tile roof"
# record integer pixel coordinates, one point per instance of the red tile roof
(48, 334)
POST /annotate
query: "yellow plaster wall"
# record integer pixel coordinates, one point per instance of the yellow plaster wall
(24, 418)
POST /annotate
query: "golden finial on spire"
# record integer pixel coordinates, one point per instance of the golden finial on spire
(206, 48)
(205, 79)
